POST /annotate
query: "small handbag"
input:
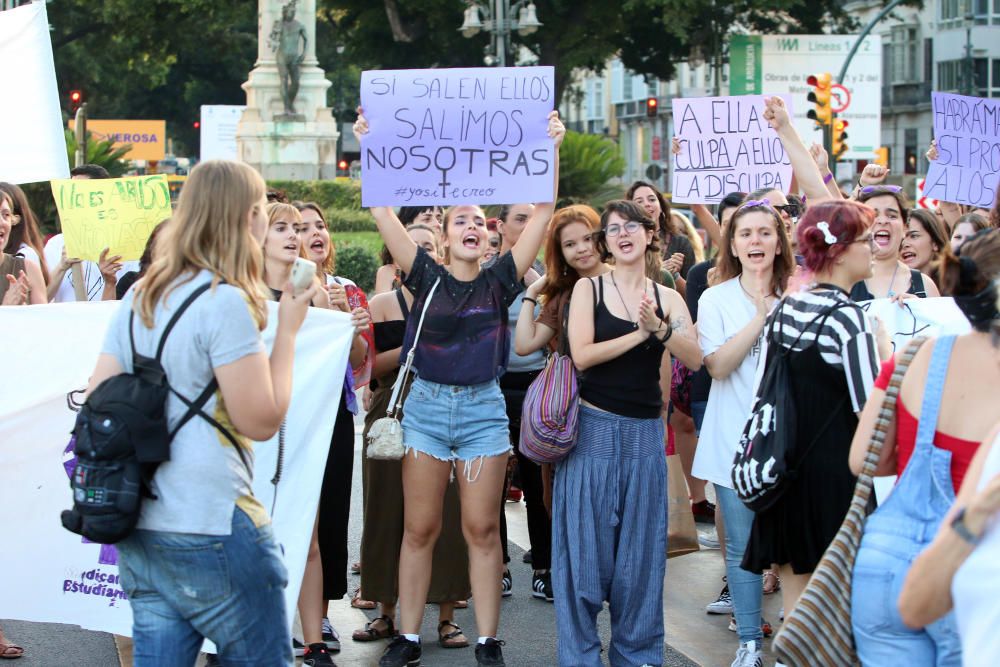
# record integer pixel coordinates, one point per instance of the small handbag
(385, 437)
(551, 411)
(818, 632)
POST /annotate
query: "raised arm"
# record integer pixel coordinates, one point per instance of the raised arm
(803, 165)
(394, 235)
(822, 160)
(530, 242)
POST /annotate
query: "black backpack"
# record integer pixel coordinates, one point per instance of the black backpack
(121, 436)
(764, 464)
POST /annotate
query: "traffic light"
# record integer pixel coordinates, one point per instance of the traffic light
(820, 97)
(652, 106)
(196, 125)
(343, 168)
(882, 156)
(75, 101)
(839, 135)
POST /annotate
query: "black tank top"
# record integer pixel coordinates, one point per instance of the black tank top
(628, 385)
(389, 334)
(860, 290)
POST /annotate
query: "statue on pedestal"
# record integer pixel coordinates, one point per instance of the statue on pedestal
(288, 41)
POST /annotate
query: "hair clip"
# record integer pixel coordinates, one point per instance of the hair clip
(824, 227)
(751, 203)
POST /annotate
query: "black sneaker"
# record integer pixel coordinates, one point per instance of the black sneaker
(506, 585)
(704, 512)
(401, 653)
(541, 586)
(489, 654)
(317, 655)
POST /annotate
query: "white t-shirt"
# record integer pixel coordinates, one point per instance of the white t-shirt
(91, 273)
(723, 311)
(976, 586)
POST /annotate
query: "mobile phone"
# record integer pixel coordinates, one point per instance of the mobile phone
(303, 273)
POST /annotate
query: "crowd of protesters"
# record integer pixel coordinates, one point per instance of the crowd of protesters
(670, 342)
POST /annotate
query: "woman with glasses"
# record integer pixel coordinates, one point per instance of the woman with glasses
(21, 281)
(25, 238)
(833, 357)
(754, 264)
(677, 255)
(609, 509)
(891, 278)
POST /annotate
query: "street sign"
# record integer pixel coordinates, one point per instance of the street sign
(780, 65)
(922, 201)
(842, 97)
(147, 137)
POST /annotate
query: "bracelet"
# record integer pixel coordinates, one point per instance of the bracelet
(828, 178)
(962, 530)
(670, 332)
(528, 298)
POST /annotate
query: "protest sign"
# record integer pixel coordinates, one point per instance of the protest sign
(31, 129)
(967, 131)
(454, 136)
(53, 575)
(726, 146)
(218, 131)
(114, 213)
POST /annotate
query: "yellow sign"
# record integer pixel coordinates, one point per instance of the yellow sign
(114, 213)
(147, 137)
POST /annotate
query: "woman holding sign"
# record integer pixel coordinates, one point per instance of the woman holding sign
(454, 414)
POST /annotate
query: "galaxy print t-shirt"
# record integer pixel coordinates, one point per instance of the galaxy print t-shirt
(465, 339)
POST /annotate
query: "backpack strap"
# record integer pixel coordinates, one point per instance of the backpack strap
(198, 291)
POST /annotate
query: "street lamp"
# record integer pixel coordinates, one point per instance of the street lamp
(500, 22)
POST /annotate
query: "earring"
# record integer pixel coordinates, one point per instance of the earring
(565, 270)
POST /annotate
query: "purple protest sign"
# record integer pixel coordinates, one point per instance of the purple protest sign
(726, 146)
(967, 131)
(452, 136)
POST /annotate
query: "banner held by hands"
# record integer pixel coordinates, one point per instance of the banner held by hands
(450, 136)
(726, 146)
(114, 213)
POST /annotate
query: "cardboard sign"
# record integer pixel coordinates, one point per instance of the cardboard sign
(726, 146)
(457, 136)
(31, 130)
(148, 138)
(114, 213)
(967, 130)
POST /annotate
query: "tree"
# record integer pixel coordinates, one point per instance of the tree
(587, 163)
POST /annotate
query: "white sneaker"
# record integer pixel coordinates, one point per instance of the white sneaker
(708, 542)
(748, 655)
(722, 605)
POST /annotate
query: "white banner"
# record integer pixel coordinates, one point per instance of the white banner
(925, 318)
(51, 575)
(31, 129)
(218, 131)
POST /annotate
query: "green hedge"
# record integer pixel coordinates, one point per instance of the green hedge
(348, 220)
(358, 264)
(339, 194)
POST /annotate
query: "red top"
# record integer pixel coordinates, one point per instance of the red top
(961, 450)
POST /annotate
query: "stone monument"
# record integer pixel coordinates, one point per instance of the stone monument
(287, 131)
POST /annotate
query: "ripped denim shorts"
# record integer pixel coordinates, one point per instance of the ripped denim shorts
(456, 423)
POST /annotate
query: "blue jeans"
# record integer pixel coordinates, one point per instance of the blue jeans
(185, 588)
(744, 586)
(698, 413)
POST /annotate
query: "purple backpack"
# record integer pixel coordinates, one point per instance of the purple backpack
(551, 408)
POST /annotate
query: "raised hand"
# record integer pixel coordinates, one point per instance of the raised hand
(873, 174)
(556, 128)
(360, 125)
(109, 266)
(776, 113)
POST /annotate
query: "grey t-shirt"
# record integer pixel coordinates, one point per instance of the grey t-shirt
(205, 477)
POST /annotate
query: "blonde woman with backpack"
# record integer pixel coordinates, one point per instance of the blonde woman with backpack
(203, 562)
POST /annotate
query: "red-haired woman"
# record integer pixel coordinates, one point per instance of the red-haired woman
(832, 351)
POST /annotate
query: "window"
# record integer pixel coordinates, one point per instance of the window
(904, 63)
(627, 90)
(954, 77)
(951, 9)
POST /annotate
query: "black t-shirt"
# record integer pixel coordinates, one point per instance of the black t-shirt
(697, 283)
(465, 339)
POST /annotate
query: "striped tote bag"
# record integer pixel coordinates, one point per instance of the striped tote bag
(551, 412)
(818, 633)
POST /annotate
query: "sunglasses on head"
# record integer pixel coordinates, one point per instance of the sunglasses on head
(793, 210)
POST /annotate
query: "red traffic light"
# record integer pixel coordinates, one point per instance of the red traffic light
(652, 105)
(342, 165)
(196, 124)
(651, 102)
(75, 95)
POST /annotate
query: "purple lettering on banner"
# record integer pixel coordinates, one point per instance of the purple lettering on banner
(967, 131)
(454, 136)
(726, 146)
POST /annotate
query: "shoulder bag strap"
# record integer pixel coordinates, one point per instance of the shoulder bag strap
(397, 387)
(563, 347)
(177, 315)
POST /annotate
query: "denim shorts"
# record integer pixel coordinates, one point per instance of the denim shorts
(455, 423)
